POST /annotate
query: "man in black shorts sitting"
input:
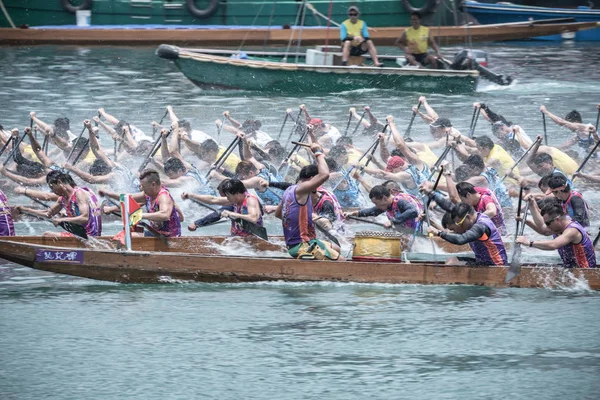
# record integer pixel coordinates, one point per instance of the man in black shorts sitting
(354, 35)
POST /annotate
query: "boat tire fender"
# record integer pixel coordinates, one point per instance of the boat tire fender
(168, 52)
(205, 13)
(85, 5)
(429, 7)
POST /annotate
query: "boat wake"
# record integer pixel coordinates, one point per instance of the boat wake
(493, 87)
(563, 280)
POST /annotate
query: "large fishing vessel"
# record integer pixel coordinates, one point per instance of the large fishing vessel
(218, 12)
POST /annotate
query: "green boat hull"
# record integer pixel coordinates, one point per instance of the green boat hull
(228, 12)
(215, 72)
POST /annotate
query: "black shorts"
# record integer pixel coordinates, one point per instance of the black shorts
(356, 51)
(421, 58)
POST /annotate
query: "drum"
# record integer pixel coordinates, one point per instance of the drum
(378, 246)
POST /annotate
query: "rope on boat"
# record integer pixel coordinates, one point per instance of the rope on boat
(314, 11)
(10, 21)
(253, 25)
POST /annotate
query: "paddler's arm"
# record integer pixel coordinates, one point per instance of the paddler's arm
(366, 212)
(559, 121)
(570, 142)
(164, 145)
(474, 233)
(384, 153)
(37, 149)
(46, 127)
(38, 194)
(442, 201)
(253, 212)
(207, 199)
(433, 44)
(139, 197)
(401, 144)
(236, 124)
(165, 205)
(21, 179)
(172, 117)
(304, 189)
(534, 151)
(110, 118)
(97, 149)
(451, 188)
(536, 214)
(280, 185)
(570, 235)
(88, 177)
(587, 177)
(248, 156)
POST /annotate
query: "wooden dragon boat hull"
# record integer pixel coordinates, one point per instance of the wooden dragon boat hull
(196, 259)
(212, 71)
(445, 35)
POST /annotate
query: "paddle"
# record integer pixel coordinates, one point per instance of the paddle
(426, 208)
(248, 226)
(350, 120)
(75, 144)
(221, 160)
(439, 161)
(155, 147)
(359, 121)
(545, 133)
(519, 160)
(515, 264)
(16, 145)
(75, 229)
(410, 124)
(155, 128)
(10, 139)
(283, 125)
(143, 224)
(597, 239)
(474, 120)
(598, 118)
(585, 160)
(366, 220)
(514, 258)
(327, 234)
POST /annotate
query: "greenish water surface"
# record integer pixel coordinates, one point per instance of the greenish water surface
(70, 338)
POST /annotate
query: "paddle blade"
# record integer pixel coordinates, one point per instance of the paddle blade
(515, 265)
(254, 229)
(75, 229)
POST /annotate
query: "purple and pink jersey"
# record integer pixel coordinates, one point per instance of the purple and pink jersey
(7, 227)
(579, 255)
(394, 212)
(170, 228)
(236, 227)
(489, 250)
(296, 218)
(487, 197)
(93, 227)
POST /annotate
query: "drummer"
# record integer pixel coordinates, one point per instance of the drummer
(402, 209)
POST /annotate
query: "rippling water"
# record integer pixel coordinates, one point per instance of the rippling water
(69, 338)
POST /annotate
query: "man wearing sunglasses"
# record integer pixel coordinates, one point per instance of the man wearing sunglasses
(573, 203)
(570, 238)
(354, 35)
(470, 227)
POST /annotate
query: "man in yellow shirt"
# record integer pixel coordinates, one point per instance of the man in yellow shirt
(354, 35)
(415, 42)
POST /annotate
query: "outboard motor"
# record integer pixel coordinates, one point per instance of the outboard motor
(477, 59)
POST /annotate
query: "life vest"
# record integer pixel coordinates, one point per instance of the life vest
(568, 208)
(393, 211)
(579, 255)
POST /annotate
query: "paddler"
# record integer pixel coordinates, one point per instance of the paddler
(573, 203)
(570, 238)
(103, 170)
(371, 124)
(471, 227)
(296, 213)
(478, 174)
(584, 134)
(481, 199)
(161, 209)
(80, 205)
(246, 206)
(354, 35)
(402, 209)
